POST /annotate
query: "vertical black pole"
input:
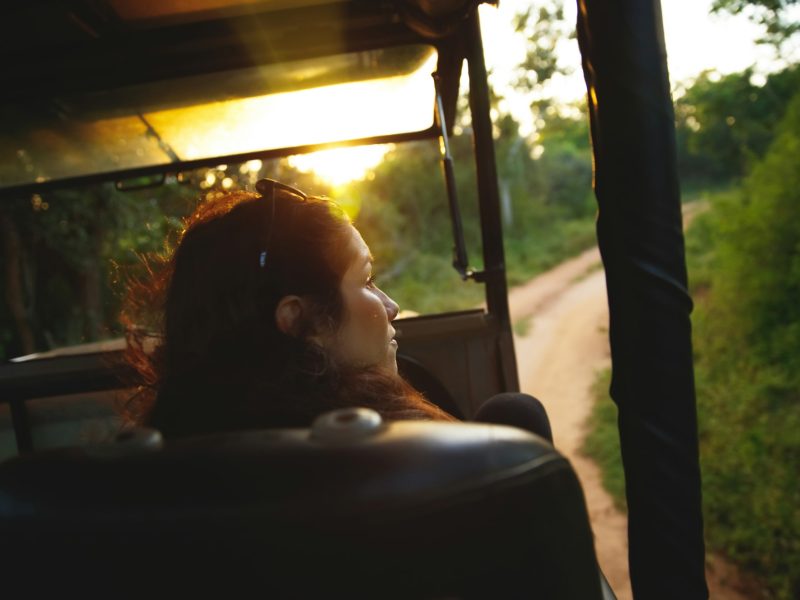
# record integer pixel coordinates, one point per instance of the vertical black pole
(489, 200)
(641, 240)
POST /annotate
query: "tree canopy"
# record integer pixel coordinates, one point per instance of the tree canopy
(771, 14)
(726, 123)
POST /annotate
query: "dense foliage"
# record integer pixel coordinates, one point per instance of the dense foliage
(725, 124)
(747, 254)
(57, 260)
(63, 253)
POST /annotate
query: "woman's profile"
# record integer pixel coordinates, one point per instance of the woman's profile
(267, 314)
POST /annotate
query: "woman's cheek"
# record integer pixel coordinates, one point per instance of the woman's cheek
(370, 315)
(363, 340)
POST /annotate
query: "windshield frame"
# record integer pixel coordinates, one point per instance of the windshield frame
(179, 167)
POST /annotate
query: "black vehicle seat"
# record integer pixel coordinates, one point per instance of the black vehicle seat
(349, 508)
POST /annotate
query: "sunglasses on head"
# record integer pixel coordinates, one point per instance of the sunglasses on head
(267, 189)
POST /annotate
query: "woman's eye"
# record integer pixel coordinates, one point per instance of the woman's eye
(371, 281)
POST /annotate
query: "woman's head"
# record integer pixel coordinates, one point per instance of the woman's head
(271, 291)
(363, 336)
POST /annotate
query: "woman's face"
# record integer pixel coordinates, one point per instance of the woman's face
(365, 337)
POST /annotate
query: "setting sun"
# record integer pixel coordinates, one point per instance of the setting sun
(341, 165)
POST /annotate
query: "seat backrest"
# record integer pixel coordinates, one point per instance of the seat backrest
(352, 507)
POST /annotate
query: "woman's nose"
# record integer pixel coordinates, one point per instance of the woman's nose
(392, 308)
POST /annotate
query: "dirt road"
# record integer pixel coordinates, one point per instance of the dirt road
(565, 344)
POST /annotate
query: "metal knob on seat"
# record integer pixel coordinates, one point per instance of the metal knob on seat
(132, 442)
(346, 425)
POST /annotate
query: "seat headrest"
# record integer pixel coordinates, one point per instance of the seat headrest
(431, 508)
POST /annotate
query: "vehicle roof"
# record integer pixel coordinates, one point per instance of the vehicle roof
(178, 53)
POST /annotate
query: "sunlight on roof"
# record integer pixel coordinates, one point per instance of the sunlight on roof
(306, 117)
(341, 165)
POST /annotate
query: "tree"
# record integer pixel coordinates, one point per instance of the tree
(57, 257)
(770, 14)
(544, 28)
(726, 123)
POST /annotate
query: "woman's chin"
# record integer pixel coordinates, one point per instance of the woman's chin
(391, 361)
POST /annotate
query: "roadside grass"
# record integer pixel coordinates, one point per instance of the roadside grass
(602, 440)
(522, 327)
(531, 253)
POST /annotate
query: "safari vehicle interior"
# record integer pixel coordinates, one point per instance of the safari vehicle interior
(206, 83)
(139, 93)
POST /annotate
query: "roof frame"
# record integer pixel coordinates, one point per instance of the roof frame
(91, 62)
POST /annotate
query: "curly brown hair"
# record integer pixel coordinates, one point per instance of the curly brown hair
(201, 330)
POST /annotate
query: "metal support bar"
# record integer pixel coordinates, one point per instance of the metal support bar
(460, 260)
(486, 170)
(489, 204)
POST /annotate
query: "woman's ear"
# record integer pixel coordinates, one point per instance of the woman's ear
(288, 314)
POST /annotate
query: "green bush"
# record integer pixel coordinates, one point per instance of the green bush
(748, 365)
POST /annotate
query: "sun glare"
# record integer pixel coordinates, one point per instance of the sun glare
(313, 116)
(341, 165)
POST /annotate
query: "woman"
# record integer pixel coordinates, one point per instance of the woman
(268, 315)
